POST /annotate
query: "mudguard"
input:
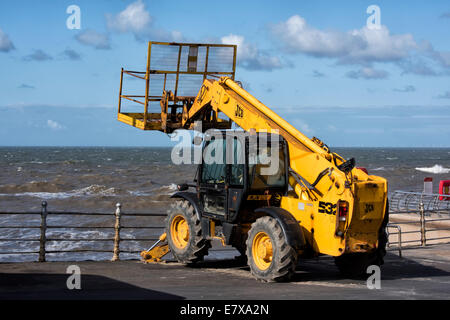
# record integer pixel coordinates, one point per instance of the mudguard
(291, 228)
(192, 198)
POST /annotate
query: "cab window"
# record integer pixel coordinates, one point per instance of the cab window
(214, 167)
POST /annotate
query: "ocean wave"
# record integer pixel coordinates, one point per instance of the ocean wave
(93, 190)
(172, 188)
(161, 191)
(56, 185)
(378, 169)
(139, 193)
(436, 169)
(90, 191)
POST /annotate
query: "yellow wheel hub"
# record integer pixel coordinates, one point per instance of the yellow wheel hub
(262, 250)
(179, 231)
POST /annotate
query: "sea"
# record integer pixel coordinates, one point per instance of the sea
(142, 179)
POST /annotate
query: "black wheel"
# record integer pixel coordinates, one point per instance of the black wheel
(269, 255)
(355, 264)
(184, 233)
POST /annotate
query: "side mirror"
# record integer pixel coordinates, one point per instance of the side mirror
(347, 166)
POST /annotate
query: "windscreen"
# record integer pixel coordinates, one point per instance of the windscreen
(267, 168)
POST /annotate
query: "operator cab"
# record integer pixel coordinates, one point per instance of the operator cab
(241, 170)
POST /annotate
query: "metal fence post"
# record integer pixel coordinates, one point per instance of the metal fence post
(422, 225)
(388, 243)
(43, 238)
(116, 252)
(399, 235)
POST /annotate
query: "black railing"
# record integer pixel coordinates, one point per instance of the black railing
(420, 214)
(44, 228)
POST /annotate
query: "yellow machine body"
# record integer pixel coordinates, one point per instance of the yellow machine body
(220, 101)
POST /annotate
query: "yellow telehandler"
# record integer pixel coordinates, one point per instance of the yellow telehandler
(266, 189)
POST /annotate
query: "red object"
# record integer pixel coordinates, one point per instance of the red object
(363, 169)
(343, 210)
(444, 188)
(427, 179)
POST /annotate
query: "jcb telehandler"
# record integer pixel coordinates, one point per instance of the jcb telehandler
(314, 201)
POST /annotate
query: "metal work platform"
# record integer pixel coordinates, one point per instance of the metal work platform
(173, 77)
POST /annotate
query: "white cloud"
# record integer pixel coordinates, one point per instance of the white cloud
(26, 86)
(302, 126)
(71, 54)
(367, 73)
(408, 88)
(176, 36)
(94, 39)
(250, 57)
(318, 74)
(440, 57)
(418, 65)
(332, 128)
(135, 18)
(5, 43)
(444, 58)
(362, 46)
(38, 55)
(54, 125)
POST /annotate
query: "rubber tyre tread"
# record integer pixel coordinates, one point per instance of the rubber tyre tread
(197, 246)
(284, 259)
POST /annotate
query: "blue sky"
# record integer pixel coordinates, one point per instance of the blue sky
(315, 63)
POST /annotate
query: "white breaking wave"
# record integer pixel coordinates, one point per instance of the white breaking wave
(436, 169)
(93, 190)
(41, 195)
(169, 189)
(163, 190)
(139, 193)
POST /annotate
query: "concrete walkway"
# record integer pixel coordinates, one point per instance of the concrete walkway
(422, 273)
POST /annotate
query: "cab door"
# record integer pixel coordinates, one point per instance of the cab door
(222, 177)
(237, 175)
(213, 177)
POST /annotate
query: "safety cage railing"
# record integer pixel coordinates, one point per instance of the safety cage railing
(173, 77)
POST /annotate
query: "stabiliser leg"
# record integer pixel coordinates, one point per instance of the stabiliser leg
(156, 251)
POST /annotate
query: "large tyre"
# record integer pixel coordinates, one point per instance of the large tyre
(184, 233)
(355, 265)
(269, 255)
